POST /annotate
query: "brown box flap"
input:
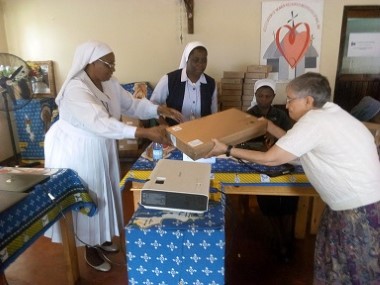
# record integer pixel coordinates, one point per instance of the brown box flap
(231, 126)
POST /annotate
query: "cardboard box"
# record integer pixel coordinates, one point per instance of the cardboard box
(259, 68)
(232, 80)
(130, 144)
(246, 103)
(233, 74)
(230, 86)
(231, 126)
(249, 86)
(256, 75)
(131, 121)
(248, 93)
(232, 92)
(231, 104)
(229, 98)
(247, 97)
(250, 80)
(223, 107)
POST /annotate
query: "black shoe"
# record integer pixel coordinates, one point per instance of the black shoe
(95, 260)
(109, 247)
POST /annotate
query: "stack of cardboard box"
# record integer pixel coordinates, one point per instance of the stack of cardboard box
(253, 73)
(231, 90)
(139, 90)
(248, 93)
(130, 144)
(237, 87)
(257, 71)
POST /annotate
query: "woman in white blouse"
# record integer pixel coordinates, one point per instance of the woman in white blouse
(339, 157)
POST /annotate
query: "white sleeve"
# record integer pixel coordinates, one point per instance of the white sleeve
(161, 91)
(301, 138)
(83, 110)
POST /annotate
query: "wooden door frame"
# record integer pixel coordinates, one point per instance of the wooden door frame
(371, 11)
(354, 12)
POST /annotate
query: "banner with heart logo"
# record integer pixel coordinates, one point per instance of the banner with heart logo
(291, 33)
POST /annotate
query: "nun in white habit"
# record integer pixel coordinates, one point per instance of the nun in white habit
(91, 102)
(188, 89)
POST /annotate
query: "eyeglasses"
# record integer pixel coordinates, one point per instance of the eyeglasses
(288, 100)
(110, 65)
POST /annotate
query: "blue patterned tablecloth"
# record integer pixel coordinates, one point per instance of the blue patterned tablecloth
(227, 171)
(165, 247)
(222, 165)
(24, 222)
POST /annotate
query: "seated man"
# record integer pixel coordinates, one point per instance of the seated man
(279, 209)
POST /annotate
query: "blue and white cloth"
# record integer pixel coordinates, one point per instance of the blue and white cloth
(167, 248)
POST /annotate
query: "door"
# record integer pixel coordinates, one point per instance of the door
(358, 72)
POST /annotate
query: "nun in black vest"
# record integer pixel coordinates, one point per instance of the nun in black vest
(188, 89)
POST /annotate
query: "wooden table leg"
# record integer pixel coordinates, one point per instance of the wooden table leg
(69, 248)
(317, 210)
(301, 217)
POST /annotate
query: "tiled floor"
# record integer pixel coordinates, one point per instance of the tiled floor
(249, 258)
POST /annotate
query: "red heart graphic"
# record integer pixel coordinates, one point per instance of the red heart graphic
(294, 44)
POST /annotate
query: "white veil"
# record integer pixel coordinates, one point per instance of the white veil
(85, 53)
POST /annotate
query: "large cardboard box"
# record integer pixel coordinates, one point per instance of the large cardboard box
(231, 126)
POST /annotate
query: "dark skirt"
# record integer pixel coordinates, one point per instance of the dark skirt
(347, 249)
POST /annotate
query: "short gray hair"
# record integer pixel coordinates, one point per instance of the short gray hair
(312, 84)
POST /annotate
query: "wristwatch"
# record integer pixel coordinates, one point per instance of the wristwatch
(228, 151)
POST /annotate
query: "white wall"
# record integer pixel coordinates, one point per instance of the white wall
(145, 33)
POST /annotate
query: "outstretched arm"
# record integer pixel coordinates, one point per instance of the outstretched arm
(274, 130)
(274, 156)
(156, 134)
(171, 113)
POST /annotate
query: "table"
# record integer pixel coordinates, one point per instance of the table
(27, 220)
(169, 247)
(236, 178)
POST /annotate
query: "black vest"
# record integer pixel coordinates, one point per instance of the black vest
(177, 94)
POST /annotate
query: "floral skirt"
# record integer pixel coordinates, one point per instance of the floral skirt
(347, 249)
